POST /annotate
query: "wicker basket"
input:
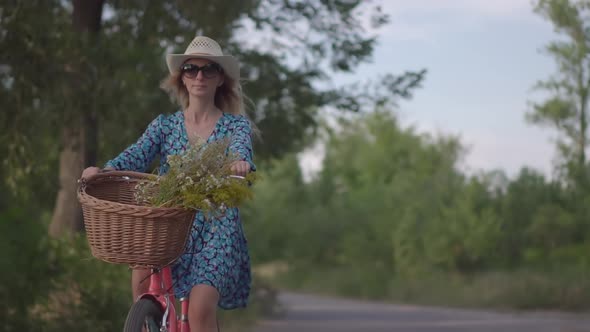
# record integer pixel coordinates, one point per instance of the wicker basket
(120, 231)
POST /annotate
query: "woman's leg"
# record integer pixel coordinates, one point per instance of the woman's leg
(140, 282)
(202, 311)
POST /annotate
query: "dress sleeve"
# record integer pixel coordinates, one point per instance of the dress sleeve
(139, 156)
(241, 141)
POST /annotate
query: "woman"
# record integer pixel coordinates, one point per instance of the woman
(215, 269)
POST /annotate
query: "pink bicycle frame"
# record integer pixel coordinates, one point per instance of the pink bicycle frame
(160, 291)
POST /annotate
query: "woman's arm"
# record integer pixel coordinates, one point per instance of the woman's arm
(139, 156)
(241, 141)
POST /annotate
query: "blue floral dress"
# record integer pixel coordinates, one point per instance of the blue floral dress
(216, 252)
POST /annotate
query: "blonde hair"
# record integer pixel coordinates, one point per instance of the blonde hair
(228, 97)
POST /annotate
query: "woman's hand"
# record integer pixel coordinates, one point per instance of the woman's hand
(240, 168)
(91, 171)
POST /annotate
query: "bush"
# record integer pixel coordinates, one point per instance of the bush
(26, 268)
(57, 285)
(86, 294)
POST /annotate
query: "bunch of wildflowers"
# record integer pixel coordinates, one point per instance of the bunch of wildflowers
(198, 179)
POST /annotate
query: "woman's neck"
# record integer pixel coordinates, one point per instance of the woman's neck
(200, 110)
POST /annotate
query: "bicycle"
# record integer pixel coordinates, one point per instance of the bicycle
(154, 310)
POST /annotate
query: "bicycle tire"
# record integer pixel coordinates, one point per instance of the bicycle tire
(142, 312)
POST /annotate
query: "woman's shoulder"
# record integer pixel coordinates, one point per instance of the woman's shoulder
(236, 119)
(169, 118)
(172, 115)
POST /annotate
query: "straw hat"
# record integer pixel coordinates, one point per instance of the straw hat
(205, 48)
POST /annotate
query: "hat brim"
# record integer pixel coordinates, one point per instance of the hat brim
(230, 65)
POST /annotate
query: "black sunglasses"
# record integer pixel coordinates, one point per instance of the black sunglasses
(209, 70)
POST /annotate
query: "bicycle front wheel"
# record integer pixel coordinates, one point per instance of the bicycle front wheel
(144, 315)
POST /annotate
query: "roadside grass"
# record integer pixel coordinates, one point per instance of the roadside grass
(564, 289)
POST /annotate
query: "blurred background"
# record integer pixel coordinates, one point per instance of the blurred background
(431, 152)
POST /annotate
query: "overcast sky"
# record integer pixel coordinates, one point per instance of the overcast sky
(482, 57)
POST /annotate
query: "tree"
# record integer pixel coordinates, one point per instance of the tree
(78, 142)
(567, 108)
(113, 76)
(31, 96)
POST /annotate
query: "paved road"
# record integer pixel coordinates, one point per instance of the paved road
(314, 314)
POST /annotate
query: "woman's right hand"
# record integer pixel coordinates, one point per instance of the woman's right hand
(89, 172)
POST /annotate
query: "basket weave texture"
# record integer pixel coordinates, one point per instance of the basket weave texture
(121, 231)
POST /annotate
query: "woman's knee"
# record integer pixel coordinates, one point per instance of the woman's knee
(203, 302)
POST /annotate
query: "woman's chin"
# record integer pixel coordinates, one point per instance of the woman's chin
(201, 93)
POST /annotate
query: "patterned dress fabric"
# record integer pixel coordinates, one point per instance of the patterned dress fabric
(216, 252)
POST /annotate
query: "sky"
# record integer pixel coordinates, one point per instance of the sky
(483, 57)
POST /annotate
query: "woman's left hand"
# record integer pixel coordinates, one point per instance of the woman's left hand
(240, 168)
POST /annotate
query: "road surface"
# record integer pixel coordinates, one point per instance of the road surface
(312, 313)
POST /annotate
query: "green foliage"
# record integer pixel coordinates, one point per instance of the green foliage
(519, 289)
(86, 294)
(390, 206)
(26, 265)
(56, 285)
(565, 289)
(390, 215)
(113, 79)
(28, 141)
(463, 235)
(275, 211)
(566, 109)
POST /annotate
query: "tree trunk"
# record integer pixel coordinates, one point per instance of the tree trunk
(67, 215)
(87, 15)
(583, 129)
(79, 142)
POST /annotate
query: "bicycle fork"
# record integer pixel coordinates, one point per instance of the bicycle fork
(160, 284)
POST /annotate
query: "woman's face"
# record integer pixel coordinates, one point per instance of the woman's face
(201, 77)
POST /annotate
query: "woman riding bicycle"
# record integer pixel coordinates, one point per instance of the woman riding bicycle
(215, 268)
